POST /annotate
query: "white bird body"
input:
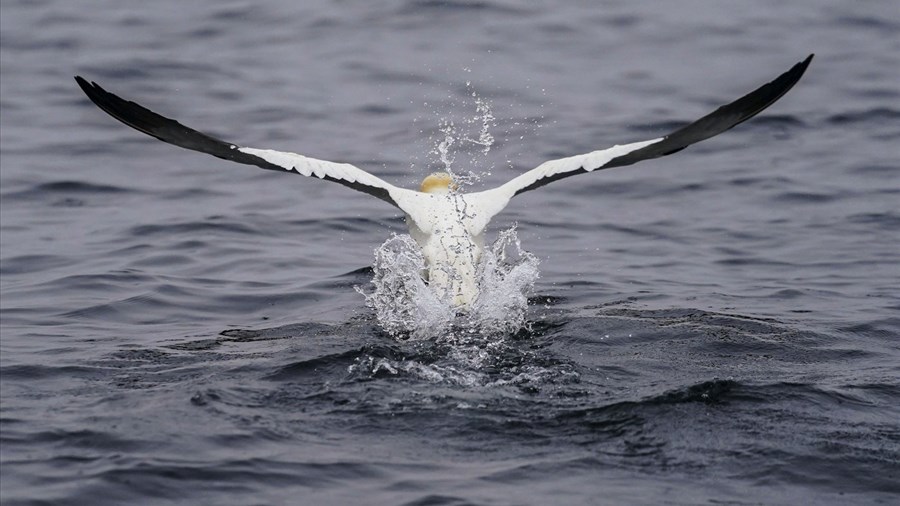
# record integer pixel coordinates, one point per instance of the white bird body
(452, 249)
(448, 225)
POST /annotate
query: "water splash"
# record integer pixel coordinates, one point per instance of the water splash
(407, 308)
(468, 139)
(485, 116)
(402, 301)
(506, 277)
(472, 347)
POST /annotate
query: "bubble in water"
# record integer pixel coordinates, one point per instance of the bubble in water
(406, 307)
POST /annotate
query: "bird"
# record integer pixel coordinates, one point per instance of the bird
(447, 223)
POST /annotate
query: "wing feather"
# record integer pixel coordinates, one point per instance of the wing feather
(486, 204)
(170, 131)
(718, 121)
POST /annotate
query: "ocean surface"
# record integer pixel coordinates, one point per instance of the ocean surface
(721, 326)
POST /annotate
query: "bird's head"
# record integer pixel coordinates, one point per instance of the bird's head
(439, 183)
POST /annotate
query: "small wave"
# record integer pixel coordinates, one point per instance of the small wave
(47, 372)
(868, 23)
(805, 197)
(25, 264)
(316, 367)
(192, 228)
(450, 6)
(777, 121)
(877, 115)
(66, 193)
(79, 187)
(487, 364)
(708, 391)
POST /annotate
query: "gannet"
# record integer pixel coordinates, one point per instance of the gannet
(447, 224)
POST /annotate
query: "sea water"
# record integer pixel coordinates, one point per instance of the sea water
(716, 326)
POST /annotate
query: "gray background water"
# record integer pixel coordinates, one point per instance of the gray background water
(717, 326)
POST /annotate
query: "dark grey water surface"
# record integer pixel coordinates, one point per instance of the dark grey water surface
(720, 326)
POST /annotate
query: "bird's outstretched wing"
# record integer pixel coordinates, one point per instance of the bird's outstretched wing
(712, 124)
(168, 130)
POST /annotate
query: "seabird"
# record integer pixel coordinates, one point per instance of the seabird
(446, 223)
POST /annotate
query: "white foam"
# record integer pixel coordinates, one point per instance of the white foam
(407, 308)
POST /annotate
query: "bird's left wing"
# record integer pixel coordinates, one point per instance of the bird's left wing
(168, 130)
(492, 201)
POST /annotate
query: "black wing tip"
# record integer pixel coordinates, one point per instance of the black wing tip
(94, 92)
(757, 100)
(722, 119)
(801, 67)
(792, 76)
(85, 84)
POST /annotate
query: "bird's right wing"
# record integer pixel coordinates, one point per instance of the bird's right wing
(170, 131)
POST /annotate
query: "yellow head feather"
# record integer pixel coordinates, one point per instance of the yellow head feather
(438, 182)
